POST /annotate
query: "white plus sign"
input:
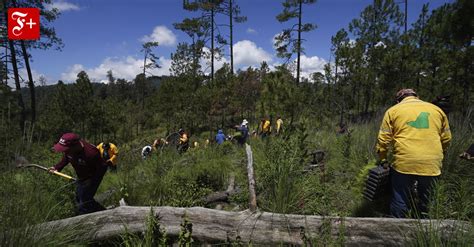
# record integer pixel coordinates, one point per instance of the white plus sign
(31, 23)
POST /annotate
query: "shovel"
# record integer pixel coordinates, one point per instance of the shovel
(23, 163)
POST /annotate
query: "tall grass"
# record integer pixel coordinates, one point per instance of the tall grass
(29, 198)
(278, 175)
(168, 178)
(154, 234)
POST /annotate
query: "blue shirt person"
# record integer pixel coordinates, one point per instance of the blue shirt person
(220, 137)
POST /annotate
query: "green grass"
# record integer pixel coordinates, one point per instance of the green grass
(170, 179)
(30, 198)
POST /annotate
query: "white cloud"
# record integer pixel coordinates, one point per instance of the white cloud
(24, 78)
(247, 53)
(352, 42)
(381, 44)
(35, 74)
(126, 68)
(162, 35)
(71, 74)
(62, 6)
(205, 61)
(251, 31)
(310, 65)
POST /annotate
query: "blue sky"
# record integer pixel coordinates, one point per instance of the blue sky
(101, 35)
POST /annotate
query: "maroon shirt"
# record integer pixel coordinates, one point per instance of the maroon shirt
(86, 163)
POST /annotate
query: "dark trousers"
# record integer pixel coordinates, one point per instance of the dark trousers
(241, 139)
(183, 147)
(403, 196)
(85, 191)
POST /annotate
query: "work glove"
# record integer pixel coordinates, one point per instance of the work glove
(383, 162)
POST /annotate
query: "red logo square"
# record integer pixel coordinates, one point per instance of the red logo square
(23, 23)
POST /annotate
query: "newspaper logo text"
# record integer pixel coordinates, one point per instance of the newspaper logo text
(23, 23)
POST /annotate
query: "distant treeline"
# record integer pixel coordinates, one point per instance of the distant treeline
(372, 59)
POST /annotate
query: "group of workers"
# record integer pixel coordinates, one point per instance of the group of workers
(182, 144)
(265, 127)
(417, 132)
(264, 130)
(241, 136)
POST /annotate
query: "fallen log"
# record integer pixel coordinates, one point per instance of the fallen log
(102, 197)
(215, 226)
(222, 196)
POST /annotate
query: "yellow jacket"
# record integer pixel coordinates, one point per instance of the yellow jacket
(266, 128)
(279, 124)
(419, 133)
(113, 152)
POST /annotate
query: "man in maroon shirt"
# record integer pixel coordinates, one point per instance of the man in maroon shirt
(89, 166)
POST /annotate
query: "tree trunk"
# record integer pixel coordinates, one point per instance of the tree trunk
(195, 59)
(420, 47)
(216, 226)
(231, 38)
(31, 84)
(433, 79)
(6, 65)
(21, 104)
(367, 100)
(358, 96)
(144, 63)
(406, 16)
(466, 84)
(251, 178)
(212, 44)
(299, 43)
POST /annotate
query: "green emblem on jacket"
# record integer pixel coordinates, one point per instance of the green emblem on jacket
(421, 121)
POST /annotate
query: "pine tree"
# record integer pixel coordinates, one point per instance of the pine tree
(196, 29)
(286, 43)
(377, 28)
(147, 49)
(232, 10)
(83, 107)
(205, 24)
(48, 40)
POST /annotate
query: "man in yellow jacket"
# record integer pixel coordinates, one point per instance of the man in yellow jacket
(279, 125)
(265, 127)
(108, 152)
(419, 133)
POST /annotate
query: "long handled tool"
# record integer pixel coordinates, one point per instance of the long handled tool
(21, 164)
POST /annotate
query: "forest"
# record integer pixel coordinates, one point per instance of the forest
(377, 54)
